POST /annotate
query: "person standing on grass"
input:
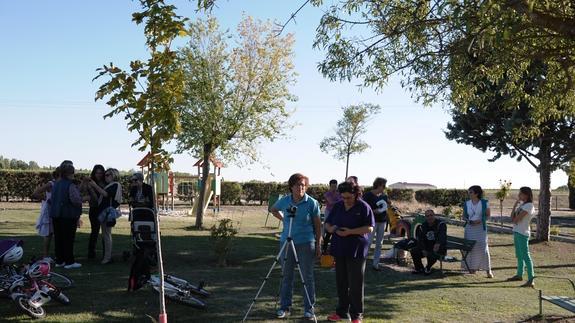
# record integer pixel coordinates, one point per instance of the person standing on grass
(306, 236)
(475, 214)
(110, 196)
(65, 211)
(350, 222)
(97, 176)
(378, 201)
(331, 197)
(44, 224)
(521, 216)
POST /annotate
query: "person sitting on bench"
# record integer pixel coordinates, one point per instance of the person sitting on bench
(431, 243)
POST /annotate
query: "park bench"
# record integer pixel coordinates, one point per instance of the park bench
(453, 243)
(456, 243)
(565, 302)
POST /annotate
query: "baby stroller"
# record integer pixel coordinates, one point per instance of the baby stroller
(144, 240)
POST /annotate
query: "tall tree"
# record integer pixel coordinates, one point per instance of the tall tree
(147, 95)
(234, 97)
(571, 184)
(348, 131)
(492, 123)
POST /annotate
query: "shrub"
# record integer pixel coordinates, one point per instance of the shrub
(400, 194)
(231, 193)
(256, 191)
(222, 237)
(441, 197)
(317, 191)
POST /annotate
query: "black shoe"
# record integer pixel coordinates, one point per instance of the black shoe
(427, 271)
(417, 272)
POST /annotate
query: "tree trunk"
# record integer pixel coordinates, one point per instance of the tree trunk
(346, 166)
(544, 223)
(501, 210)
(204, 186)
(571, 185)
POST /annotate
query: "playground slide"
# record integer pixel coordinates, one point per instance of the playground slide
(207, 198)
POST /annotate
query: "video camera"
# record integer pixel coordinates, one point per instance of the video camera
(291, 210)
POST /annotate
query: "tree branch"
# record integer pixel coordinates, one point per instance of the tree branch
(292, 17)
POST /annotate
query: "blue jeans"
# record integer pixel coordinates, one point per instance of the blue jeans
(306, 255)
(377, 233)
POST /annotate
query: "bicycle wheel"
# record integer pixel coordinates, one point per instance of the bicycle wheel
(59, 280)
(183, 284)
(183, 297)
(186, 298)
(33, 312)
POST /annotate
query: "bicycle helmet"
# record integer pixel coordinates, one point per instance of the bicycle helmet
(39, 269)
(13, 255)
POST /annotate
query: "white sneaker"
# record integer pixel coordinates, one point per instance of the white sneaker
(73, 266)
(60, 264)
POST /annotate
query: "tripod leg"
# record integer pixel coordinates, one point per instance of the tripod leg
(283, 273)
(305, 286)
(283, 247)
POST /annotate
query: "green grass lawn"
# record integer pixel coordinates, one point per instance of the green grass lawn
(392, 295)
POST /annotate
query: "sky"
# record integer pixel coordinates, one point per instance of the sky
(50, 50)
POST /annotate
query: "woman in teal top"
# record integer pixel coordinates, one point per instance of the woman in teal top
(306, 236)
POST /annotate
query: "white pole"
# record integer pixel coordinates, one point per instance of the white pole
(163, 317)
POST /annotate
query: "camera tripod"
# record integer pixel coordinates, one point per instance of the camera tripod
(288, 243)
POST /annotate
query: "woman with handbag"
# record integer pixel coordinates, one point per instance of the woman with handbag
(110, 199)
(97, 175)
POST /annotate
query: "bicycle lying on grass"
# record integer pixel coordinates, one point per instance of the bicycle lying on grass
(30, 286)
(180, 290)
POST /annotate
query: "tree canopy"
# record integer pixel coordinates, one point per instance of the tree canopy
(147, 94)
(234, 97)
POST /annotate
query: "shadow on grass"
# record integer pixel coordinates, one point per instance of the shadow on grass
(101, 290)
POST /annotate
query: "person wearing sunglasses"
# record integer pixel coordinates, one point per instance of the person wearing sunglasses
(431, 243)
(141, 194)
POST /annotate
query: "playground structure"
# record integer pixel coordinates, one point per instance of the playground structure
(214, 186)
(170, 186)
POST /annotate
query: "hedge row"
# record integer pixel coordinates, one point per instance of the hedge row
(441, 197)
(21, 184)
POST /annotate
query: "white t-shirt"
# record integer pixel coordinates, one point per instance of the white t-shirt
(523, 226)
(475, 211)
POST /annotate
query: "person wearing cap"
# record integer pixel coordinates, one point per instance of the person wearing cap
(141, 194)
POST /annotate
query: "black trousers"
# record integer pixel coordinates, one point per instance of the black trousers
(64, 235)
(325, 242)
(417, 255)
(349, 275)
(94, 231)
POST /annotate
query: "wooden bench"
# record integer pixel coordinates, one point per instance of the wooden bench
(453, 243)
(565, 302)
(456, 243)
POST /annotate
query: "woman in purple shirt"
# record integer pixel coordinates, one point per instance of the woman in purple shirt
(350, 221)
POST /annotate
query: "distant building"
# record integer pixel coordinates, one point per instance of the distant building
(413, 186)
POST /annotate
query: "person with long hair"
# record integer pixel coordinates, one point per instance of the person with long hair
(521, 216)
(350, 222)
(110, 196)
(306, 236)
(475, 214)
(44, 224)
(97, 176)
